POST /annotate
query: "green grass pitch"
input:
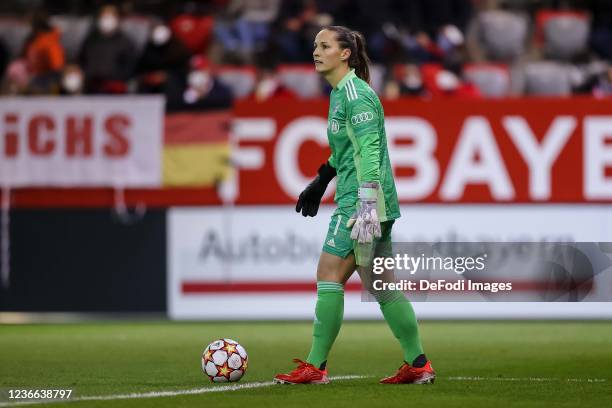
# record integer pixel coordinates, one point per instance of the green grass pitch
(479, 364)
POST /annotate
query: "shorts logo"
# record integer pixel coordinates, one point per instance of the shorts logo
(331, 243)
(334, 126)
(361, 118)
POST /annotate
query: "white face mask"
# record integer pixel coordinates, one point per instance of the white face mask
(447, 81)
(266, 88)
(161, 35)
(72, 82)
(453, 34)
(198, 79)
(413, 81)
(108, 23)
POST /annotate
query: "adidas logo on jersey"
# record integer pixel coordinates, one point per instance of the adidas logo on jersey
(331, 243)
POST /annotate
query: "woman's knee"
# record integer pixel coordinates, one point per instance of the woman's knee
(333, 268)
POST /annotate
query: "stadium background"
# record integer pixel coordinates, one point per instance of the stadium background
(158, 151)
(149, 167)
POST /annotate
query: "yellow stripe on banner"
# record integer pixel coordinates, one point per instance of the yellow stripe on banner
(196, 164)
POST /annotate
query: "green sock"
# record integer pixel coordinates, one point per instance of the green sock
(400, 317)
(328, 319)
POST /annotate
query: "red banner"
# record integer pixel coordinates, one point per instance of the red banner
(510, 151)
(484, 151)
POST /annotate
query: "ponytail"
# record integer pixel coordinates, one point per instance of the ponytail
(354, 41)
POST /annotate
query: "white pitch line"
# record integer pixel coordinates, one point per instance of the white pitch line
(238, 387)
(157, 394)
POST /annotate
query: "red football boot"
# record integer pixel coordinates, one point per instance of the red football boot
(305, 373)
(412, 375)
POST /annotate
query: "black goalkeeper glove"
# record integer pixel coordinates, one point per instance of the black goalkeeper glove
(310, 198)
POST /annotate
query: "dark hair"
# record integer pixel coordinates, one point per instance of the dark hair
(354, 41)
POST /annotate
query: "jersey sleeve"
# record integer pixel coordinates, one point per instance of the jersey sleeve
(364, 122)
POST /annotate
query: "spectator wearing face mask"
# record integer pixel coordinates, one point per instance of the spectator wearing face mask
(268, 86)
(412, 82)
(164, 59)
(72, 81)
(108, 56)
(201, 90)
(447, 82)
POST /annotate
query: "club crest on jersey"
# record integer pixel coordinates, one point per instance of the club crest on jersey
(361, 118)
(334, 126)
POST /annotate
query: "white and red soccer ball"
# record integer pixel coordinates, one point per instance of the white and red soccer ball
(224, 360)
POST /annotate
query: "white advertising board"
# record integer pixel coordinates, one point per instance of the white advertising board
(259, 262)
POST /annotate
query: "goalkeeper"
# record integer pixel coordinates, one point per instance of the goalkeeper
(367, 208)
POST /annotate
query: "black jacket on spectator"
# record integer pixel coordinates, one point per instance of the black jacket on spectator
(428, 16)
(4, 58)
(107, 58)
(219, 97)
(173, 55)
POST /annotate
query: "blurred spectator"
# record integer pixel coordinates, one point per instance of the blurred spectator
(17, 78)
(295, 28)
(269, 86)
(42, 50)
(449, 84)
(379, 24)
(429, 17)
(391, 90)
(411, 83)
(603, 88)
(443, 82)
(72, 80)
(601, 27)
(44, 55)
(163, 56)
(200, 90)
(405, 80)
(107, 56)
(244, 28)
(4, 58)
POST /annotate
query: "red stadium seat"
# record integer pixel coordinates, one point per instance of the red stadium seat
(194, 31)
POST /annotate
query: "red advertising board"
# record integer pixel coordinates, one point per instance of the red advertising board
(442, 151)
(506, 151)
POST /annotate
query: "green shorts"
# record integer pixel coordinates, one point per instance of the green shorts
(338, 240)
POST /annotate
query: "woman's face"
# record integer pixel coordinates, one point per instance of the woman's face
(327, 53)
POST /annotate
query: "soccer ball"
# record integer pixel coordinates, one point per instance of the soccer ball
(224, 360)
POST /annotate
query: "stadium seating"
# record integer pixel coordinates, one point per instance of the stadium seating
(74, 30)
(492, 80)
(241, 80)
(377, 78)
(564, 34)
(502, 34)
(301, 79)
(13, 32)
(137, 28)
(546, 78)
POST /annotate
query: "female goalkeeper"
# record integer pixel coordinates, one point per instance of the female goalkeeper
(367, 207)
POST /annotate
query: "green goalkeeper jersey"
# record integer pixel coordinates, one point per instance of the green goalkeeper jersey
(356, 134)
